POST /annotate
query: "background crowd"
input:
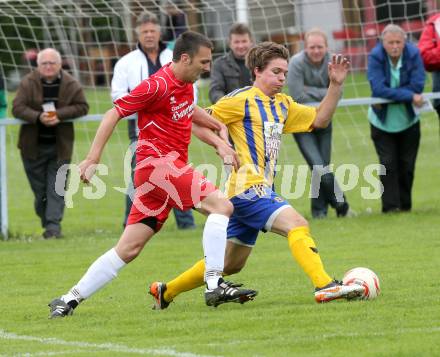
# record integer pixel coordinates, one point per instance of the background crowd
(49, 95)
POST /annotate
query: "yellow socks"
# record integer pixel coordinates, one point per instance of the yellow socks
(301, 245)
(190, 279)
(304, 251)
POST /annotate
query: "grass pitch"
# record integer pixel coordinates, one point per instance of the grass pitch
(282, 321)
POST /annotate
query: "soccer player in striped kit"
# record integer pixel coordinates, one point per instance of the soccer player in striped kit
(256, 117)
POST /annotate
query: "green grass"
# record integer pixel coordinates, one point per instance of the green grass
(282, 321)
(403, 249)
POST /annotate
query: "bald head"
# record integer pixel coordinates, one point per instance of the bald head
(49, 63)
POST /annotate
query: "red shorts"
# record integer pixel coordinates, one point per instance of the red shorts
(165, 183)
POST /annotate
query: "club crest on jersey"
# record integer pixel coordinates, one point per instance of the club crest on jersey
(272, 138)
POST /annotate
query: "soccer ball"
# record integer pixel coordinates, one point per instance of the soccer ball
(365, 277)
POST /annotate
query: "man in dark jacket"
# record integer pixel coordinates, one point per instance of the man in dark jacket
(45, 98)
(229, 71)
(395, 72)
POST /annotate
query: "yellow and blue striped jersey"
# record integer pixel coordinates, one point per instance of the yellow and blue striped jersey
(255, 123)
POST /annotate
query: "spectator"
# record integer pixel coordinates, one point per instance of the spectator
(229, 72)
(175, 23)
(308, 81)
(46, 142)
(429, 45)
(395, 72)
(149, 56)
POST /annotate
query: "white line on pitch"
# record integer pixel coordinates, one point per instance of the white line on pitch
(58, 353)
(104, 346)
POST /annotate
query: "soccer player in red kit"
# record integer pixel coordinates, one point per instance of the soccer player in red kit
(163, 180)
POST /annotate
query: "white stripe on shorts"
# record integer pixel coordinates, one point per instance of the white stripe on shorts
(273, 216)
(239, 242)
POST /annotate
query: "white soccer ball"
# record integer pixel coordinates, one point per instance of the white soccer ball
(365, 277)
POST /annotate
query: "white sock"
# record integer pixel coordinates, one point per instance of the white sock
(214, 245)
(100, 273)
(72, 295)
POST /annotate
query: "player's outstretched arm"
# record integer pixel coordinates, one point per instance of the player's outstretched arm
(337, 72)
(223, 149)
(202, 118)
(105, 130)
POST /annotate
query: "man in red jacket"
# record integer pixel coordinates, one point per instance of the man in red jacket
(429, 45)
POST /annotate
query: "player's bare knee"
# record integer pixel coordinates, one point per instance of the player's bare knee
(300, 221)
(133, 253)
(295, 222)
(129, 253)
(224, 207)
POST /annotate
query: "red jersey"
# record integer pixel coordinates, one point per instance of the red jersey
(429, 43)
(165, 106)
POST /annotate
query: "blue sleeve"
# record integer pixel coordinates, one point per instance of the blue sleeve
(378, 82)
(416, 74)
